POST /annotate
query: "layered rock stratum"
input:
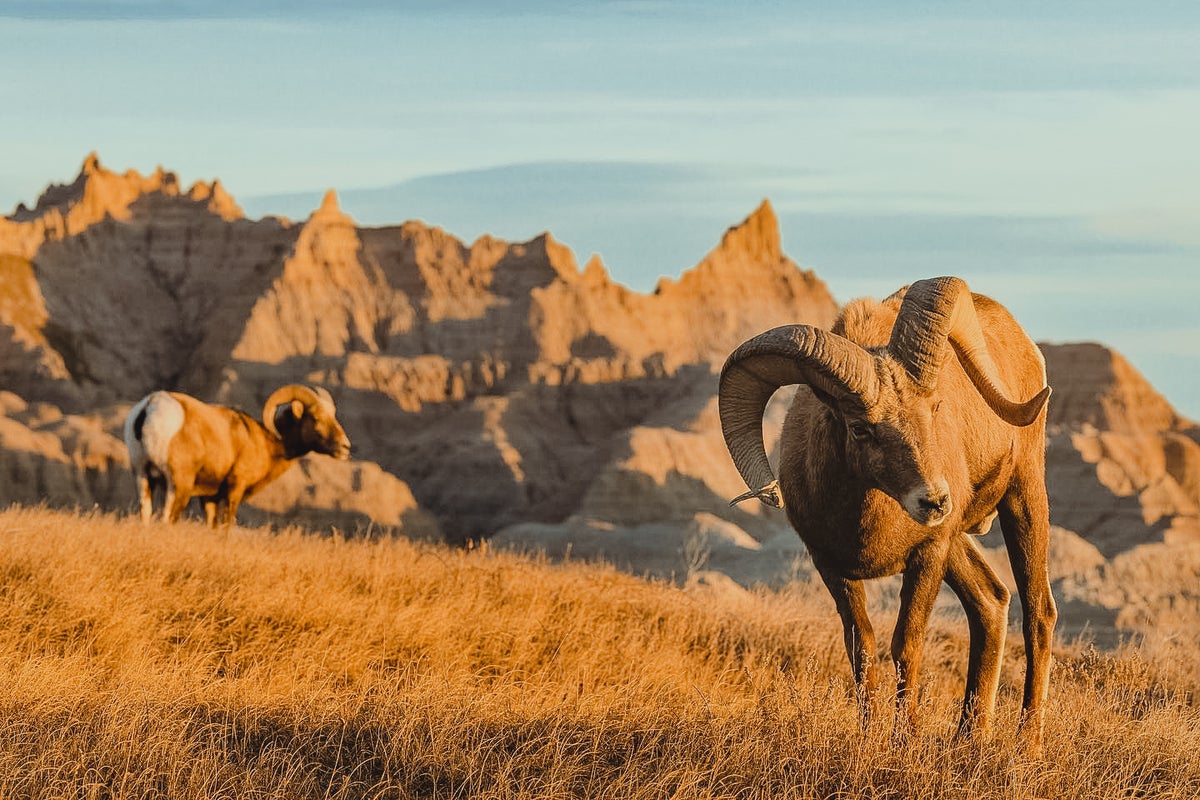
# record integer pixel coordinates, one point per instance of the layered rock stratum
(495, 390)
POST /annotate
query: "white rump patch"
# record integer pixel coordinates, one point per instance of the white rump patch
(164, 418)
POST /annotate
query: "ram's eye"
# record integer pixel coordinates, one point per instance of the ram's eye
(859, 429)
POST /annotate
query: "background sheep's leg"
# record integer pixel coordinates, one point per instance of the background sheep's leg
(985, 600)
(210, 511)
(922, 579)
(178, 495)
(145, 496)
(230, 502)
(1025, 522)
(859, 636)
(168, 500)
(224, 516)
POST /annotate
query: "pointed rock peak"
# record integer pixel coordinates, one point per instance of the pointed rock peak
(91, 164)
(200, 191)
(223, 204)
(756, 237)
(749, 247)
(765, 210)
(594, 272)
(561, 257)
(330, 210)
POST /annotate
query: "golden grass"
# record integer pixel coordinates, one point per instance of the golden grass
(170, 661)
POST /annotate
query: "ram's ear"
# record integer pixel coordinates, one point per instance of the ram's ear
(297, 409)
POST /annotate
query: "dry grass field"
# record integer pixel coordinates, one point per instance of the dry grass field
(173, 662)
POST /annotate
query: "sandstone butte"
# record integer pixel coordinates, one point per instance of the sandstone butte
(492, 390)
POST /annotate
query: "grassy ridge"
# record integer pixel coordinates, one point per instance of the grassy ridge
(171, 661)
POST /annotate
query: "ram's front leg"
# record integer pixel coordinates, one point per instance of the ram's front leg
(216, 508)
(922, 579)
(232, 499)
(857, 633)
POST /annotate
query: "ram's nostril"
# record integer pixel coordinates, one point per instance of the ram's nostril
(938, 503)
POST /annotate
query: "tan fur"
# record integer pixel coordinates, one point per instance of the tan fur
(224, 456)
(841, 498)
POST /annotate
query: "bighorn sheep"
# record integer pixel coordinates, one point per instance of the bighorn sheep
(189, 448)
(893, 456)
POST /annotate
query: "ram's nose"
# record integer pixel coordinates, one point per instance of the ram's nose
(931, 504)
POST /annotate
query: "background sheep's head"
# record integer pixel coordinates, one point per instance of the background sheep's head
(306, 420)
(886, 399)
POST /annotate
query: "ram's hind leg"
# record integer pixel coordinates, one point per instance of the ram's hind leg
(1025, 521)
(177, 497)
(211, 507)
(145, 495)
(985, 600)
(857, 634)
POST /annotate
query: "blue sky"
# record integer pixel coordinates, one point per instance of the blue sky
(1046, 152)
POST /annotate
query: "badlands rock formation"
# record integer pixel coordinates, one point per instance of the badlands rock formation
(498, 390)
(496, 380)
(1120, 458)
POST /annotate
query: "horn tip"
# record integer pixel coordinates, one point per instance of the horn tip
(769, 495)
(1032, 408)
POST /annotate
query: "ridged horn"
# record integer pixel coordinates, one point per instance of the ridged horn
(940, 311)
(283, 395)
(780, 357)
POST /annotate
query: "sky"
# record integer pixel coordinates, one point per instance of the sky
(1046, 152)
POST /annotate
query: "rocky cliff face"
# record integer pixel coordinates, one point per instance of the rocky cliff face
(497, 380)
(497, 389)
(1124, 467)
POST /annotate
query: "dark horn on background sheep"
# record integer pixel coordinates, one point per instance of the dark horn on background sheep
(940, 311)
(286, 394)
(784, 356)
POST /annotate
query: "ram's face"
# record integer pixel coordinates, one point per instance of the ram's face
(894, 446)
(312, 428)
(326, 436)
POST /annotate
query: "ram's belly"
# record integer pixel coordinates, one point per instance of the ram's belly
(212, 477)
(207, 486)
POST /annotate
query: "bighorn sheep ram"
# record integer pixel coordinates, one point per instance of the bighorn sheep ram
(894, 455)
(189, 448)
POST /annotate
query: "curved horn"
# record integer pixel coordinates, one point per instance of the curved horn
(781, 357)
(941, 310)
(286, 394)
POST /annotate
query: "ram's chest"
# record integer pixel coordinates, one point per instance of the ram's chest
(864, 536)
